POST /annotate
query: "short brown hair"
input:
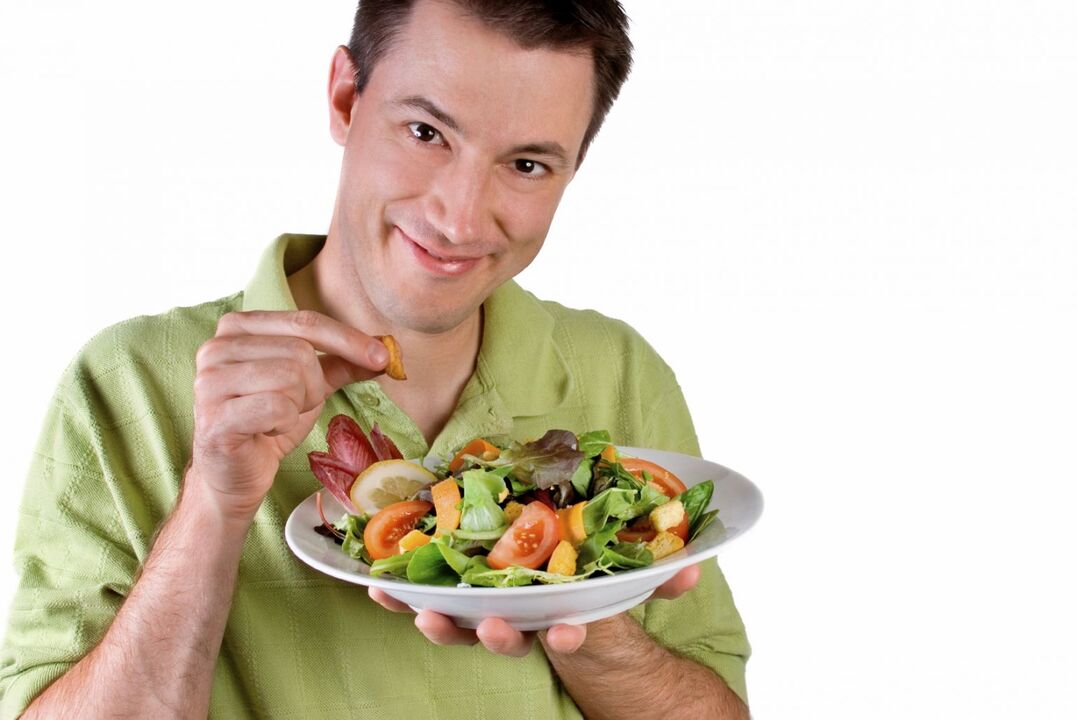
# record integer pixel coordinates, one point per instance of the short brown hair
(599, 26)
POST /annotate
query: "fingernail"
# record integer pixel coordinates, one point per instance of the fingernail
(378, 354)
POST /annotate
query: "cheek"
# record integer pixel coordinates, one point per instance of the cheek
(379, 173)
(529, 218)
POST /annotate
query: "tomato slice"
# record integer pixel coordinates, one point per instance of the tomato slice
(668, 483)
(530, 540)
(391, 523)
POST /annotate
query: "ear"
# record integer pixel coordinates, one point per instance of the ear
(342, 94)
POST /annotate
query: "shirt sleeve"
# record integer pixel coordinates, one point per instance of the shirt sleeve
(71, 555)
(703, 624)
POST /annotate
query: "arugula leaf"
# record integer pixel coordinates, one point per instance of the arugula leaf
(620, 503)
(629, 555)
(613, 502)
(479, 509)
(622, 556)
(591, 549)
(480, 573)
(609, 475)
(594, 442)
(429, 566)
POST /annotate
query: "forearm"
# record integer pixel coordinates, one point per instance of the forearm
(619, 672)
(158, 656)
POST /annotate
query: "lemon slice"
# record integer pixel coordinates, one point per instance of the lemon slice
(387, 482)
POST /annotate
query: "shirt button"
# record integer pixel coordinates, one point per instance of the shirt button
(371, 400)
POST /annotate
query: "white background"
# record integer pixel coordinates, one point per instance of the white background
(851, 228)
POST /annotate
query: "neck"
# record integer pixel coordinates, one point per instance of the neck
(438, 365)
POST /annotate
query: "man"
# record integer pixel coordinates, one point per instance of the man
(155, 581)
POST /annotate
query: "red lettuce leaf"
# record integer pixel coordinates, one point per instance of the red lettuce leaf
(548, 462)
(335, 475)
(349, 445)
(384, 448)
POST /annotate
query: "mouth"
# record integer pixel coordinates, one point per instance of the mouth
(437, 263)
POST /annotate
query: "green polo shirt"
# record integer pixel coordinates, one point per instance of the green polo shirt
(298, 644)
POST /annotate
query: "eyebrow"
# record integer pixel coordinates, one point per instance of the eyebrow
(552, 150)
(418, 102)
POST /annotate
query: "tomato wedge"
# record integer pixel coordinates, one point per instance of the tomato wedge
(668, 483)
(391, 523)
(530, 540)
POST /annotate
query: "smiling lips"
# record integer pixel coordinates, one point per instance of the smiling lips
(442, 265)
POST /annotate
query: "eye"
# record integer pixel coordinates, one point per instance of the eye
(425, 133)
(530, 168)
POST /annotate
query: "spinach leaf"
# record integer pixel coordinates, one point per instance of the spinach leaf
(429, 567)
(456, 559)
(704, 521)
(581, 479)
(695, 500)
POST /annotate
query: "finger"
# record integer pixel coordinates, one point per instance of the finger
(678, 585)
(389, 603)
(321, 331)
(566, 638)
(441, 630)
(225, 349)
(500, 637)
(286, 376)
(268, 413)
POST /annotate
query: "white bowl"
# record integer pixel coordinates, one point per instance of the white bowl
(536, 607)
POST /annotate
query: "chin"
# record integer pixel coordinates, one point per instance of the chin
(428, 319)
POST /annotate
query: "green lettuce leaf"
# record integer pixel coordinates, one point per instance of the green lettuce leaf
(480, 511)
(395, 565)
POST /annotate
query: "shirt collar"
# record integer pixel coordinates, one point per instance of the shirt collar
(268, 289)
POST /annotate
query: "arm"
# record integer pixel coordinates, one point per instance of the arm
(157, 657)
(649, 682)
(259, 388)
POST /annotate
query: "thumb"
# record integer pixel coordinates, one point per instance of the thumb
(339, 372)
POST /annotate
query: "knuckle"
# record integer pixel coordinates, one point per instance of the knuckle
(229, 321)
(208, 352)
(305, 319)
(203, 381)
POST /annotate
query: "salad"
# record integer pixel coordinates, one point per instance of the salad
(502, 513)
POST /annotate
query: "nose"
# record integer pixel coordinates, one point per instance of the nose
(460, 201)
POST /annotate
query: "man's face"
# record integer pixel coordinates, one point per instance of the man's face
(455, 157)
